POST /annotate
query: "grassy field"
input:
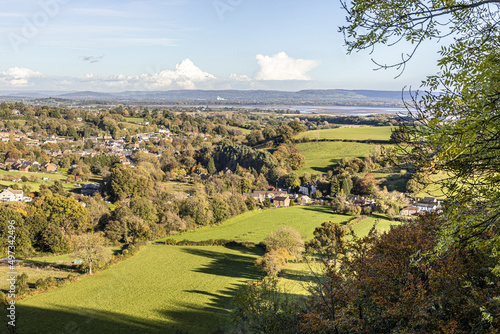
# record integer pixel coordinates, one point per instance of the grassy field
(33, 275)
(243, 130)
(65, 258)
(323, 156)
(162, 289)
(36, 185)
(356, 133)
(255, 225)
(434, 189)
(173, 187)
(134, 119)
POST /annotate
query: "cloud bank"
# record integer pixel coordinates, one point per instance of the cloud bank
(275, 72)
(282, 67)
(18, 76)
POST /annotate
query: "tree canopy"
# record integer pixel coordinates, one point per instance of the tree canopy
(456, 127)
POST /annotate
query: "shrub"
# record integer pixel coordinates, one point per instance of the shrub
(286, 238)
(273, 262)
(41, 284)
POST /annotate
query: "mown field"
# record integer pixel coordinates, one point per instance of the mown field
(36, 185)
(255, 225)
(323, 156)
(352, 133)
(162, 289)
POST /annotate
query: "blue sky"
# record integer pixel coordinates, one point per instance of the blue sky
(188, 44)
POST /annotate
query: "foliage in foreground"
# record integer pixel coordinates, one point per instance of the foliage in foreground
(384, 283)
(387, 283)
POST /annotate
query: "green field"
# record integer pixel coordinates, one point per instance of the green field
(173, 187)
(134, 119)
(255, 225)
(323, 156)
(61, 259)
(354, 133)
(162, 289)
(33, 275)
(36, 185)
(243, 130)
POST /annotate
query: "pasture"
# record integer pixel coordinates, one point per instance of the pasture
(243, 130)
(35, 186)
(168, 289)
(33, 275)
(323, 156)
(352, 133)
(134, 119)
(162, 289)
(255, 225)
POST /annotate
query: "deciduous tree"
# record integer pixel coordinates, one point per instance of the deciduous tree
(91, 248)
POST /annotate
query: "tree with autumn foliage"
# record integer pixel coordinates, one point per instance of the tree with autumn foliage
(387, 283)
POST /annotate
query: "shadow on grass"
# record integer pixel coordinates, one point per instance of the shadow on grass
(34, 320)
(229, 265)
(186, 318)
(318, 208)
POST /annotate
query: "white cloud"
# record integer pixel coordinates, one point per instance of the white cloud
(18, 76)
(237, 77)
(282, 67)
(185, 76)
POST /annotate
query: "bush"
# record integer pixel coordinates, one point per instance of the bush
(41, 284)
(286, 238)
(51, 281)
(273, 262)
(22, 284)
(356, 210)
(3, 299)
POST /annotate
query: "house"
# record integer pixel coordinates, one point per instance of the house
(12, 161)
(303, 200)
(271, 193)
(281, 201)
(428, 204)
(410, 211)
(361, 201)
(90, 189)
(11, 195)
(124, 160)
(260, 195)
(50, 167)
(309, 188)
(25, 166)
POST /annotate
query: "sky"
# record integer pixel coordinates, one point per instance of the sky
(119, 45)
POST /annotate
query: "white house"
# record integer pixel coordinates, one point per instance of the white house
(428, 204)
(11, 195)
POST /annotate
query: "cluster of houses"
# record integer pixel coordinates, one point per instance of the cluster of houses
(6, 136)
(22, 165)
(428, 204)
(278, 198)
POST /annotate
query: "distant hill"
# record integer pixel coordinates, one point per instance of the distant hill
(339, 97)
